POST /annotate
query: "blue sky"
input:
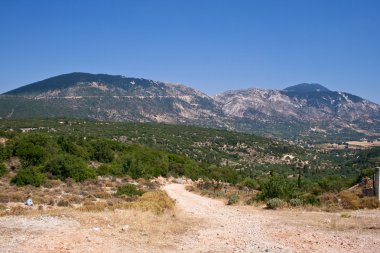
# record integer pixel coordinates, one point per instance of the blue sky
(210, 45)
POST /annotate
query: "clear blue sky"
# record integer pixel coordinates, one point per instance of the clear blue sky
(211, 45)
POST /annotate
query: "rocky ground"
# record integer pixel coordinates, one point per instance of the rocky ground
(198, 224)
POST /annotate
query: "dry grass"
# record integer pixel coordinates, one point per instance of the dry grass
(94, 207)
(10, 196)
(350, 200)
(156, 201)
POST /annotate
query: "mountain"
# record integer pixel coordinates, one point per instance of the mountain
(114, 98)
(304, 111)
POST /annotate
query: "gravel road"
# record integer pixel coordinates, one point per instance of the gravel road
(225, 228)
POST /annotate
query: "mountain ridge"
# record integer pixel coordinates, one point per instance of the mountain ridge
(302, 108)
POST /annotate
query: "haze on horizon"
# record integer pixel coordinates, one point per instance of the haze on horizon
(212, 45)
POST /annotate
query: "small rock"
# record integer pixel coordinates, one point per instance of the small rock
(96, 229)
(125, 228)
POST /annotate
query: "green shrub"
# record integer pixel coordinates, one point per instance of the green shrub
(68, 166)
(30, 154)
(129, 190)
(277, 186)
(233, 199)
(31, 176)
(311, 199)
(275, 203)
(3, 169)
(295, 202)
(112, 169)
(333, 183)
(101, 150)
(250, 183)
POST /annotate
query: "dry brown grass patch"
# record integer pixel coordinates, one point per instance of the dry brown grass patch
(93, 207)
(6, 197)
(156, 201)
(350, 200)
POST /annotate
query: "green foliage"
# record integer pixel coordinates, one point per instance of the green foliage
(68, 144)
(110, 169)
(3, 169)
(250, 183)
(129, 190)
(295, 202)
(30, 154)
(101, 150)
(149, 150)
(333, 183)
(277, 186)
(64, 166)
(223, 174)
(365, 173)
(4, 153)
(29, 176)
(311, 199)
(144, 162)
(233, 199)
(275, 203)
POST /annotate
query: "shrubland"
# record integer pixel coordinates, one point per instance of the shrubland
(77, 152)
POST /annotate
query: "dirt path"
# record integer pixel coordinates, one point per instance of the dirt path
(198, 224)
(225, 228)
(247, 229)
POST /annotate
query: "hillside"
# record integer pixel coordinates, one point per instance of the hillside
(251, 155)
(306, 112)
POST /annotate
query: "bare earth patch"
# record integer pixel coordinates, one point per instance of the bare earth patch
(250, 229)
(199, 224)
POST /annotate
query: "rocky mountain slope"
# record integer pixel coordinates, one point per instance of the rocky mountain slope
(310, 108)
(114, 98)
(306, 111)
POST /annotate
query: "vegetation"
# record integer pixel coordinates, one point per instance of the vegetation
(31, 176)
(233, 199)
(129, 190)
(82, 150)
(3, 169)
(275, 203)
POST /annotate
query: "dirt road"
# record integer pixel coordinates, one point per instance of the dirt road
(247, 229)
(198, 224)
(225, 228)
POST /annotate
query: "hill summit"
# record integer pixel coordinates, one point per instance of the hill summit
(306, 88)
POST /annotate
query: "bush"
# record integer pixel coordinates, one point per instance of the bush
(370, 203)
(68, 166)
(311, 199)
(295, 202)
(102, 151)
(113, 169)
(30, 154)
(350, 200)
(277, 186)
(3, 169)
(31, 176)
(250, 183)
(129, 190)
(233, 199)
(333, 183)
(275, 203)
